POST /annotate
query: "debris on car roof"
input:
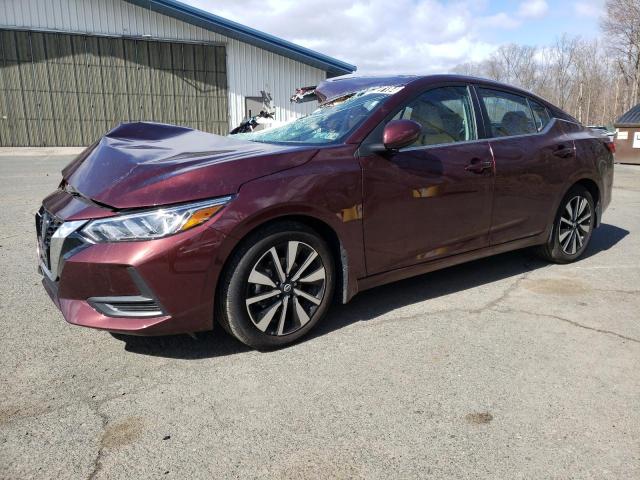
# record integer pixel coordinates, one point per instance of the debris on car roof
(334, 88)
(304, 94)
(337, 87)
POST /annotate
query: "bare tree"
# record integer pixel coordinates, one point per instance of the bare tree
(579, 76)
(621, 26)
(596, 81)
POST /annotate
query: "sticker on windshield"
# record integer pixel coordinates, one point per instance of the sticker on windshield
(388, 89)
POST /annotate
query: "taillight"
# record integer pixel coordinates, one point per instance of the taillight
(612, 146)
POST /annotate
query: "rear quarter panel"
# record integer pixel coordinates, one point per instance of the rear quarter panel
(594, 161)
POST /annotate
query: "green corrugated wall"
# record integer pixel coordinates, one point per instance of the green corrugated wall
(67, 90)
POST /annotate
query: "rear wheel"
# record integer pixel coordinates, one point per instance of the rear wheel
(572, 228)
(277, 286)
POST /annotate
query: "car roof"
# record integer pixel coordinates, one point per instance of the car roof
(336, 87)
(339, 86)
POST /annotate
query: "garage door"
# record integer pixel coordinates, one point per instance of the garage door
(68, 90)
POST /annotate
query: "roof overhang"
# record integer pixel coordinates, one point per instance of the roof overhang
(246, 34)
(629, 119)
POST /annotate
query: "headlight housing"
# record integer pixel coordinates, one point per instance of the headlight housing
(152, 224)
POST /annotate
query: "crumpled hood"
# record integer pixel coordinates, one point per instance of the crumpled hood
(145, 164)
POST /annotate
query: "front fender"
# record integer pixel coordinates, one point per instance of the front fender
(328, 189)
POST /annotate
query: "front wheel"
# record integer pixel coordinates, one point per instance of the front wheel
(277, 286)
(572, 228)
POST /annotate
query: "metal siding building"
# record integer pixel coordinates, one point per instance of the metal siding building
(72, 69)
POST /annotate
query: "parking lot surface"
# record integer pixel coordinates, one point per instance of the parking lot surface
(502, 368)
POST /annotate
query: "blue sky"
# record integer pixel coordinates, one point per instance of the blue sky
(571, 17)
(412, 36)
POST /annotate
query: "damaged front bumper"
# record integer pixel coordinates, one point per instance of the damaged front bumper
(153, 287)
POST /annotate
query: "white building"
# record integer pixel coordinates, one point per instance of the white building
(72, 69)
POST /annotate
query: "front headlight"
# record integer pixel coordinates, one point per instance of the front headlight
(151, 224)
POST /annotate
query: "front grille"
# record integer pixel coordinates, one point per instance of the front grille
(46, 225)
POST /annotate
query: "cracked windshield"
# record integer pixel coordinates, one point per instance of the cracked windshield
(328, 124)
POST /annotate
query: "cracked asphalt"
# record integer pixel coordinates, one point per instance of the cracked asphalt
(502, 368)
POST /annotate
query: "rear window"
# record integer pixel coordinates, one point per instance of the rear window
(509, 114)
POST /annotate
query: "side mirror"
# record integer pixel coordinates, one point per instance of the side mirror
(400, 133)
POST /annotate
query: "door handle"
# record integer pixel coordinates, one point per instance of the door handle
(564, 152)
(479, 166)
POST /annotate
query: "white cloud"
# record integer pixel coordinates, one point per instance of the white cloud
(533, 9)
(404, 36)
(500, 20)
(592, 9)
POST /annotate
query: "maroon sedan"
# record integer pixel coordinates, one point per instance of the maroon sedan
(159, 229)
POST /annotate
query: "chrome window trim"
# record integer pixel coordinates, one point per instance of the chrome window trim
(439, 145)
(489, 139)
(577, 124)
(526, 135)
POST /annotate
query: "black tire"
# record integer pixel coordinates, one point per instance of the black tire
(242, 320)
(569, 237)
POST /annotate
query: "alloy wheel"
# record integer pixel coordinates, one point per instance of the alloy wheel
(285, 288)
(575, 225)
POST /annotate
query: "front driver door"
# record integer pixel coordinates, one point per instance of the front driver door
(432, 199)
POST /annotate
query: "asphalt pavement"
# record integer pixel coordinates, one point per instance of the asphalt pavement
(506, 367)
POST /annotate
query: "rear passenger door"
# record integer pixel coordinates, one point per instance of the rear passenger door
(530, 152)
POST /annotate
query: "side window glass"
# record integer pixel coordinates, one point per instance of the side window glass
(446, 116)
(540, 115)
(509, 114)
